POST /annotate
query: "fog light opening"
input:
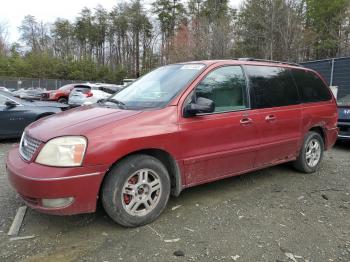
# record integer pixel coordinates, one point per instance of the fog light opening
(57, 202)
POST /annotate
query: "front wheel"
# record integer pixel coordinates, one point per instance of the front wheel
(136, 190)
(311, 153)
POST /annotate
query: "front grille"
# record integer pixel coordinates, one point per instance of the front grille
(28, 146)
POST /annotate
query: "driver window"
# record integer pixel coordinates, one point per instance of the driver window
(226, 87)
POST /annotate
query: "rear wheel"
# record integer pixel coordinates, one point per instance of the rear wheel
(136, 190)
(311, 153)
(62, 100)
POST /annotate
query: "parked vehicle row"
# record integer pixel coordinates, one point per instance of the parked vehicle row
(30, 93)
(178, 126)
(81, 94)
(62, 95)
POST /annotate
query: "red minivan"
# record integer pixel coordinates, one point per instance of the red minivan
(178, 126)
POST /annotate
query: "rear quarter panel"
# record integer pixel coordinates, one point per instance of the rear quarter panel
(324, 115)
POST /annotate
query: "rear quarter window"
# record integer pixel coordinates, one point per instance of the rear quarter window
(272, 86)
(311, 87)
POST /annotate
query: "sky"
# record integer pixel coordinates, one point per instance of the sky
(12, 12)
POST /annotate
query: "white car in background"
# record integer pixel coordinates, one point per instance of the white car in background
(2, 88)
(88, 94)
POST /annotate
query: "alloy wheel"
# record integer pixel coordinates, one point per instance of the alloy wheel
(141, 192)
(313, 152)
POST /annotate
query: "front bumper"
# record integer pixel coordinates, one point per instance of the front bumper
(34, 182)
(344, 130)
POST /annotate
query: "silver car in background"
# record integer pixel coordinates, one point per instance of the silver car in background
(91, 93)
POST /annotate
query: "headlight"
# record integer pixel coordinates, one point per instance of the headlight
(64, 151)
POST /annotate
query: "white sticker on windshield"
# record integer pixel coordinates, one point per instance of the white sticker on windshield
(192, 67)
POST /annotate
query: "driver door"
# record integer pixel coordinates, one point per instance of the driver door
(222, 143)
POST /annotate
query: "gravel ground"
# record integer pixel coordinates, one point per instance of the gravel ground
(275, 214)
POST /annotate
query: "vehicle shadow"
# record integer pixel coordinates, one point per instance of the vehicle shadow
(344, 145)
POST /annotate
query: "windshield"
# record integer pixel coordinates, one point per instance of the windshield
(344, 101)
(157, 88)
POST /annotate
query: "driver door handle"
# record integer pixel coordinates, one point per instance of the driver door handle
(270, 118)
(246, 121)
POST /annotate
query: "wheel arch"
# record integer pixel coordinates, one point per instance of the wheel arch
(169, 162)
(320, 130)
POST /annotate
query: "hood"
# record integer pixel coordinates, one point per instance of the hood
(79, 121)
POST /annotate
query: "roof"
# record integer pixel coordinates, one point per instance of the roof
(247, 61)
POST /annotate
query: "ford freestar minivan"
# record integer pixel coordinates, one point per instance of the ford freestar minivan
(178, 126)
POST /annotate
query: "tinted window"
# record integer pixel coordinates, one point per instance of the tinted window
(81, 89)
(311, 87)
(272, 86)
(226, 87)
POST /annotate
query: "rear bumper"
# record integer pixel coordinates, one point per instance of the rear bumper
(344, 130)
(34, 182)
(75, 103)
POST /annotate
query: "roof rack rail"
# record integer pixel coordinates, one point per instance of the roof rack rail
(268, 61)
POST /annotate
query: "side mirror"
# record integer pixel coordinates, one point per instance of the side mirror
(10, 103)
(202, 105)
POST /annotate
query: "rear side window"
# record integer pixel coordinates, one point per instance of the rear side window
(272, 86)
(82, 89)
(311, 87)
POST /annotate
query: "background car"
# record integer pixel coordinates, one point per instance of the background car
(86, 95)
(128, 81)
(16, 114)
(2, 88)
(30, 93)
(60, 95)
(344, 118)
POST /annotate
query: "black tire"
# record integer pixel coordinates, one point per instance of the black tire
(112, 189)
(62, 100)
(301, 164)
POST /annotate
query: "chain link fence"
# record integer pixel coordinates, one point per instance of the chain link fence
(48, 84)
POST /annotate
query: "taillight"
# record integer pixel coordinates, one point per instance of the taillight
(89, 94)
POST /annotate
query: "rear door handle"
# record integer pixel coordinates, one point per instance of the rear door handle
(270, 118)
(246, 121)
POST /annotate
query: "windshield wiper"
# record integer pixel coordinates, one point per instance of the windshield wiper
(114, 101)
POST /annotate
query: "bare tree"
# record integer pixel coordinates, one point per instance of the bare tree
(3, 38)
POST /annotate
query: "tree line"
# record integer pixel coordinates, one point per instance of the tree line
(129, 40)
